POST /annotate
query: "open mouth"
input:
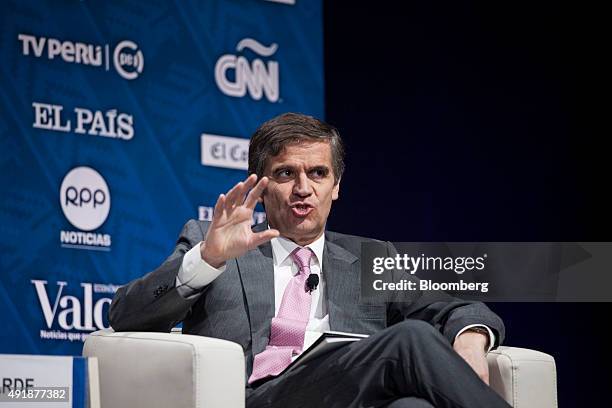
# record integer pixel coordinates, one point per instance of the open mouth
(301, 210)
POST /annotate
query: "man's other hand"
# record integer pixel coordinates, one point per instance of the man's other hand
(471, 346)
(229, 235)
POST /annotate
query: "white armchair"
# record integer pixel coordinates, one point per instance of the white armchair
(148, 370)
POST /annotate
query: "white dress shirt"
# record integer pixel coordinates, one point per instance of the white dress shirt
(195, 273)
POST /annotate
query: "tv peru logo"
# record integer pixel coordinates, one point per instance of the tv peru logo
(85, 200)
(256, 77)
(127, 59)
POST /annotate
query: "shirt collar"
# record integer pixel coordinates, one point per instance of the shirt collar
(283, 247)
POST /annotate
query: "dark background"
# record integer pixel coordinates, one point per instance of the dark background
(479, 121)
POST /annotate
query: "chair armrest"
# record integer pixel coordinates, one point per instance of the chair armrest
(142, 369)
(524, 378)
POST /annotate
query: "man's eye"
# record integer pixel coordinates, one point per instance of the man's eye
(318, 173)
(283, 173)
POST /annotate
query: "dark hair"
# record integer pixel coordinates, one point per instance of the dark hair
(291, 128)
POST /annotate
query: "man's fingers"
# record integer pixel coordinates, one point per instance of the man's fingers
(263, 237)
(485, 372)
(255, 193)
(250, 181)
(219, 207)
(236, 195)
(248, 184)
(232, 195)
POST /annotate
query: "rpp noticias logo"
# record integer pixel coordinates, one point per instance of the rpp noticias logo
(235, 74)
(85, 200)
(127, 58)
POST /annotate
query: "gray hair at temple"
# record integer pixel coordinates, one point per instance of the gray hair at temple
(292, 128)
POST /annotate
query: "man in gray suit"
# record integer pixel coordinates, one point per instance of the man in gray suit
(249, 285)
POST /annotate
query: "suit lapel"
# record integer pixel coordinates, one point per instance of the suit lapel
(342, 283)
(256, 270)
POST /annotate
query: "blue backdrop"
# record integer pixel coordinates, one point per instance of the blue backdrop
(120, 121)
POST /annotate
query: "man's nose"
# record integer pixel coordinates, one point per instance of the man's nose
(302, 186)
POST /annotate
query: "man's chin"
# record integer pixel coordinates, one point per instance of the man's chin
(300, 230)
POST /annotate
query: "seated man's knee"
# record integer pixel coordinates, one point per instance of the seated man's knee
(415, 328)
(412, 334)
(410, 402)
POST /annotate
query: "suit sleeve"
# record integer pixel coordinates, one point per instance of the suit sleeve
(446, 313)
(152, 302)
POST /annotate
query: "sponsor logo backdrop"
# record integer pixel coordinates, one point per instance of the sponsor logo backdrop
(120, 121)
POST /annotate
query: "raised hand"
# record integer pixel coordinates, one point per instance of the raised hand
(230, 235)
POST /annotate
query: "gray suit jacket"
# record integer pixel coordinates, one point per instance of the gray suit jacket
(239, 304)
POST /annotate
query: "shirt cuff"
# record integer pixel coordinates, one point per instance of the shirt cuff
(195, 273)
(491, 334)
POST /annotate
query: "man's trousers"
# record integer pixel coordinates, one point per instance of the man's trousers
(409, 364)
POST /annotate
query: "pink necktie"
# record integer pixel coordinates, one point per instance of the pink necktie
(289, 325)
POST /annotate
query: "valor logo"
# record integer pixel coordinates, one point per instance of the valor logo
(68, 316)
(256, 77)
(85, 200)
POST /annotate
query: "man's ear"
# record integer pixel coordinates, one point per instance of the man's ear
(336, 191)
